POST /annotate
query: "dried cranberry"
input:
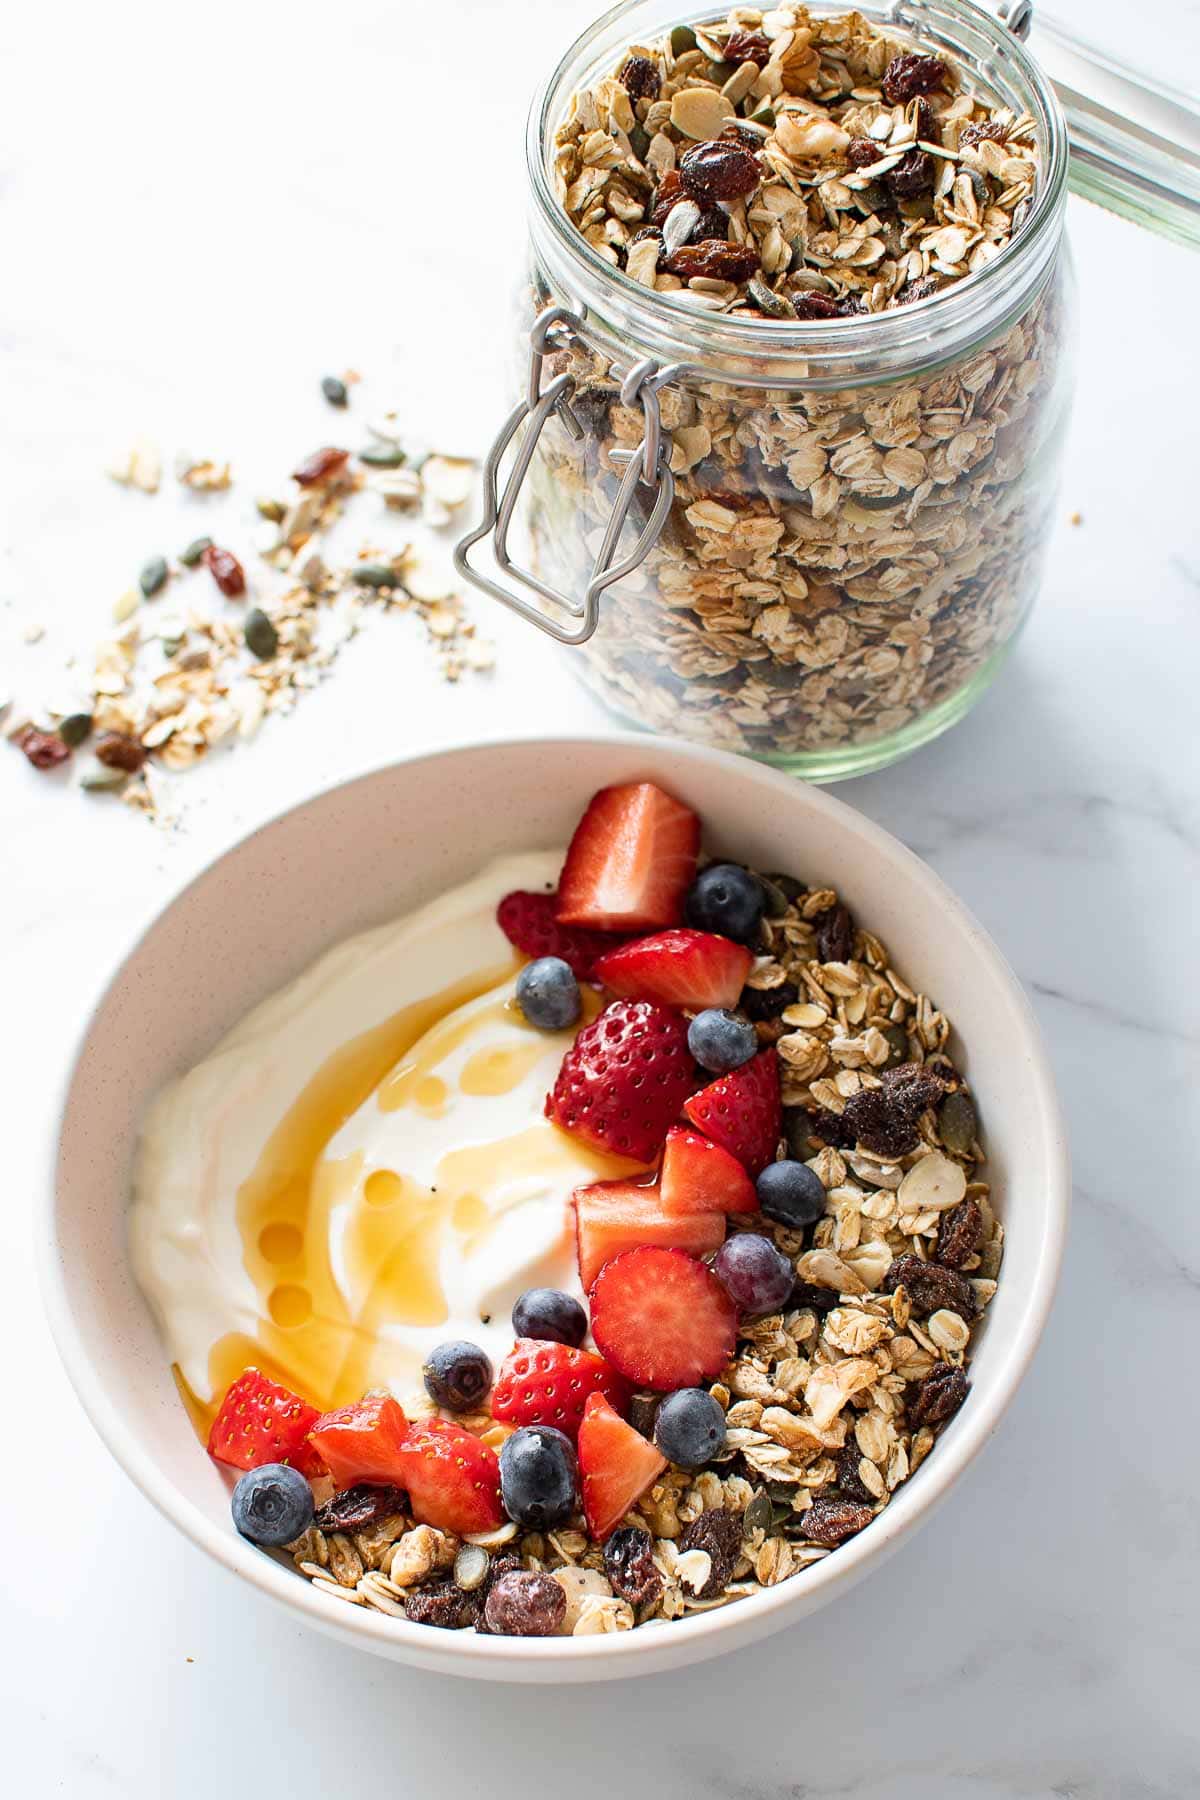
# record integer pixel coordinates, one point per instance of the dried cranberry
(641, 79)
(716, 261)
(226, 571)
(442, 1604)
(630, 1566)
(116, 751)
(960, 1233)
(524, 1604)
(45, 749)
(719, 1533)
(930, 1287)
(357, 1506)
(862, 152)
(850, 1482)
(719, 170)
(831, 1522)
(835, 934)
(941, 1393)
(321, 466)
(748, 46)
(669, 193)
(907, 76)
(912, 175)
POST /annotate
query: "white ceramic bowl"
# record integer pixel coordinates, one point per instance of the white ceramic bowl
(367, 852)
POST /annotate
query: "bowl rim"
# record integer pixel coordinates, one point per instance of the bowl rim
(691, 1638)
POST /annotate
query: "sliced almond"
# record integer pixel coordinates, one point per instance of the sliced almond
(932, 1185)
(702, 113)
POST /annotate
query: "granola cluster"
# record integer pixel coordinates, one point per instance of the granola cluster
(831, 1404)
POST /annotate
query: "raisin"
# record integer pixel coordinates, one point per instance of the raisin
(885, 1118)
(986, 131)
(712, 223)
(862, 152)
(829, 1128)
(835, 934)
(719, 1532)
(912, 176)
(643, 1410)
(630, 1566)
(226, 571)
(719, 170)
(940, 1394)
(811, 305)
(907, 76)
(917, 290)
(745, 135)
(321, 466)
(641, 79)
(831, 1522)
(442, 1604)
(930, 1287)
(116, 751)
(591, 407)
(669, 193)
(716, 261)
(524, 1604)
(760, 1004)
(502, 1564)
(45, 749)
(960, 1233)
(850, 1482)
(927, 125)
(748, 46)
(357, 1506)
(816, 1299)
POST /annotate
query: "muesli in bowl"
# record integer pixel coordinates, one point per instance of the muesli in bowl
(629, 1267)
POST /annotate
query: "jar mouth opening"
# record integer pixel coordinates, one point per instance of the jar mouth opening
(949, 23)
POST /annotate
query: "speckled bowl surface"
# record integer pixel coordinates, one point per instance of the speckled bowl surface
(369, 851)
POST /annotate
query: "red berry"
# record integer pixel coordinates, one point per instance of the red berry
(616, 1466)
(742, 1111)
(530, 921)
(322, 466)
(696, 969)
(226, 571)
(361, 1442)
(700, 1176)
(624, 1079)
(260, 1422)
(453, 1479)
(663, 1319)
(630, 861)
(614, 1216)
(544, 1383)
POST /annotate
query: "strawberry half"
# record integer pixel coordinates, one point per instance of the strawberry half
(688, 968)
(544, 1383)
(260, 1422)
(614, 1216)
(630, 862)
(530, 922)
(624, 1079)
(699, 1176)
(616, 1466)
(742, 1112)
(453, 1479)
(663, 1319)
(361, 1442)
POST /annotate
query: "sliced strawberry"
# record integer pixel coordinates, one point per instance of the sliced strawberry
(453, 1479)
(624, 1079)
(361, 1442)
(699, 1176)
(678, 968)
(530, 922)
(616, 1466)
(663, 1319)
(742, 1111)
(260, 1422)
(630, 862)
(544, 1383)
(614, 1216)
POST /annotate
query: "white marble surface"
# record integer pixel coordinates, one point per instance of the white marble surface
(203, 210)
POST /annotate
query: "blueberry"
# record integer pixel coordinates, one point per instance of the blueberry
(548, 993)
(689, 1427)
(727, 899)
(790, 1192)
(720, 1041)
(551, 1315)
(537, 1476)
(457, 1375)
(272, 1505)
(757, 1275)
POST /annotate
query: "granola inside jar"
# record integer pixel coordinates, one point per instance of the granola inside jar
(807, 270)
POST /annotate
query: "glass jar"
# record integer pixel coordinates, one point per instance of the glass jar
(813, 543)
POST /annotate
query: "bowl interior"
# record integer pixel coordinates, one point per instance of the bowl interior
(368, 851)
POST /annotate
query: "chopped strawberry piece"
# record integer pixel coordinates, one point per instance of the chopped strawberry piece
(630, 862)
(663, 1319)
(700, 1176)
(544, 1383)
(530, 922)
(616, 1466)
(453, 1479)
(742, 1111)
(361, 1442)
(260, 1422)
(688, 968)
(614, 1216)
(624, 1079)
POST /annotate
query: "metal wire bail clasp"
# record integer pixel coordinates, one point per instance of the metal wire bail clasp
(649, 464)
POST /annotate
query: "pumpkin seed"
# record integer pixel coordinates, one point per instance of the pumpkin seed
(897, 1041)
(335, 390)
(721, 71)
(153, 577)
(774, 305)
(97, 778)
(375, 575)
(765, 116)
(958, 1123)
(777, 900)
(758, 1515)
(639, 142)
(683, 39)
(272, 510)
(75, 729)
(195, 550)
(470, 1567)
(383, 456)
(261, 636)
